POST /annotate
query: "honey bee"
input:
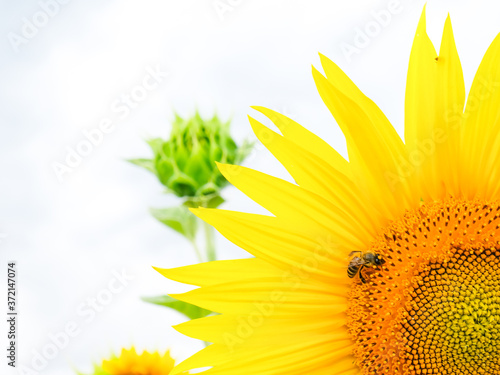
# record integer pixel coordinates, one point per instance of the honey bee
(363, 260)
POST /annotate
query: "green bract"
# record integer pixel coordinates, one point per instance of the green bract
(185, 163)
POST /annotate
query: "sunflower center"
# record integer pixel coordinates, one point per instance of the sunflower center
(433, 307)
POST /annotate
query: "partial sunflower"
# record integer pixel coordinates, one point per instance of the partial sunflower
(427, 209)
(131, 363)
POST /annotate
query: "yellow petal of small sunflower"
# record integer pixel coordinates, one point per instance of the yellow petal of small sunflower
(131, 363)
(386, 264)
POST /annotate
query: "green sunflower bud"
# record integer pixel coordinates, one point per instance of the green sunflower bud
(185, 163)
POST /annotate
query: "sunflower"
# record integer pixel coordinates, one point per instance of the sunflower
(131, 363)
(416, 225)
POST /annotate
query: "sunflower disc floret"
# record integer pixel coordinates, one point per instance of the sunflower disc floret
(434, 306)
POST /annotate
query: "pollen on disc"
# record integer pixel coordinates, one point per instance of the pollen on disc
(433, 307)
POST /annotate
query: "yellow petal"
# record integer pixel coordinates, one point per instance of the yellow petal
(295, 205)
(210, 356)
(316, 175)
(296, 133)
(315, 357)
(434, 100)
(261, 326)
(376, 153)
(481, 158)
(421, 86)
(451, 98)
(222, 271)
(290, 296)
(292, 248)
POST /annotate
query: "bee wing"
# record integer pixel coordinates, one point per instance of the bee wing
(356, 261)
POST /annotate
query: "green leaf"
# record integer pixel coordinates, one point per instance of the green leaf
(164, 169)
(182, 185)
(189, 310)
(179, 219)
(208, 201)
(215, 201)
(144, 163)
(155, 144)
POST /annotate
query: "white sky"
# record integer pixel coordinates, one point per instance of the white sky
(68, 237)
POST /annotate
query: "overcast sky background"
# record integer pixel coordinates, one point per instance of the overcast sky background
(69, 238)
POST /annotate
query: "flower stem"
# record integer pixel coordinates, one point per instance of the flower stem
(209, 237)
(197, 251)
